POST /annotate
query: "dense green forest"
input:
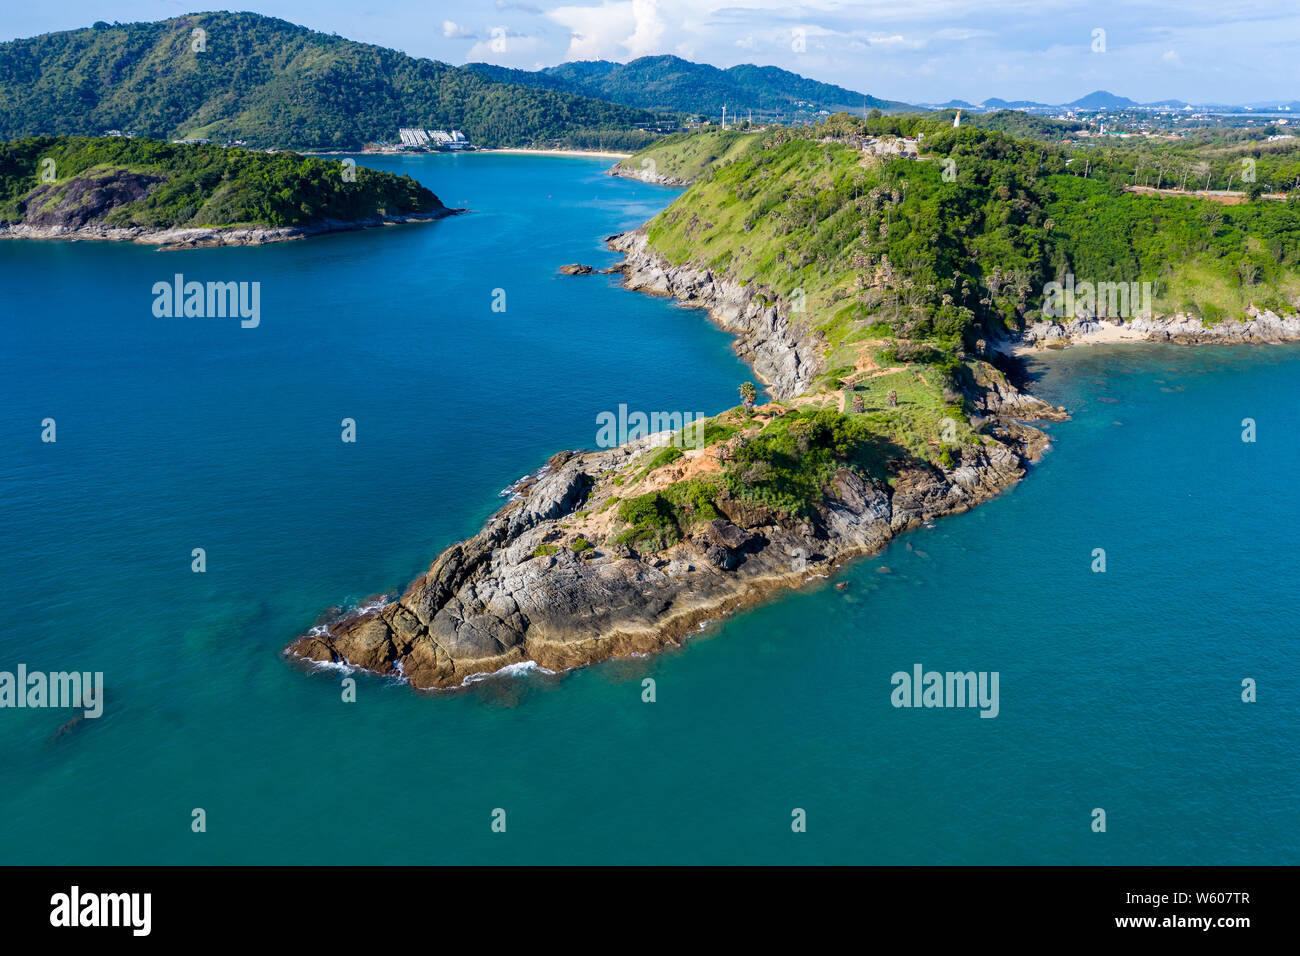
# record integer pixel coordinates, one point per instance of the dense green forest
(271, 83)
(673, 85)
(194, 185)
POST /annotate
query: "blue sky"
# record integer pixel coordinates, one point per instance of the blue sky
(917, 50)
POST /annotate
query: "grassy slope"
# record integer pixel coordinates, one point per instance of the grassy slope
(711, 225)
(687, 155)
(897, 273)
(869, 240)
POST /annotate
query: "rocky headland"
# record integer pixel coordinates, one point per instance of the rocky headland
(645, 175)
(90, 206)
(550, 581)
(531, 586)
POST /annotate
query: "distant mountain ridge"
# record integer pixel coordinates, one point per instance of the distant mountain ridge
(272, 83)
(1105, 100)
(674, 85)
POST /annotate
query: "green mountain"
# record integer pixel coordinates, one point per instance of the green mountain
(671, 84)
(271, 83)
(1101, 99)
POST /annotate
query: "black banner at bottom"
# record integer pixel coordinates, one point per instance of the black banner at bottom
(334, 904)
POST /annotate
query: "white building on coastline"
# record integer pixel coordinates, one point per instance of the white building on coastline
(413, 138)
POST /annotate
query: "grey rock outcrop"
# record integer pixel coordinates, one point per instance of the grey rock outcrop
(785, 357)
(1257, 326)
(518, 590)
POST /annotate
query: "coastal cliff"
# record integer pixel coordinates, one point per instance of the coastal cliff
(784, 359)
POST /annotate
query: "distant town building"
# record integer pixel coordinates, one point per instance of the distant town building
(432, 139)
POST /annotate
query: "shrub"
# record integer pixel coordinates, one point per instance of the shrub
(787, 464)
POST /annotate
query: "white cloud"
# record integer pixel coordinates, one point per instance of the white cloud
(455, 31)
(649, 28)
(929, 50)
(614, 30)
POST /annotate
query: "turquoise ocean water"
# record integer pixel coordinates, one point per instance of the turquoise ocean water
(1119, 690)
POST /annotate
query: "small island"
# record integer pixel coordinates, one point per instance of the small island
(177, 195)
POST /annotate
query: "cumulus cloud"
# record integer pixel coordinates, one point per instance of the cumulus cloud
(616, 29)
(453, 30)
(649, 28)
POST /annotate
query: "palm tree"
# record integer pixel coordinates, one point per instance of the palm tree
(748, 395)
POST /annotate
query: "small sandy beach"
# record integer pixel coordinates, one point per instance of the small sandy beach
(1107, 334)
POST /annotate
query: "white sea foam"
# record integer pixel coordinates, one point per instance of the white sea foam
(374, 607)
(510, 670)
(511, 490)
(342, 667)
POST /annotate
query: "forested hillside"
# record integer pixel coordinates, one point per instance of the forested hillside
(271, 83)
(671, 84)
(142, 182)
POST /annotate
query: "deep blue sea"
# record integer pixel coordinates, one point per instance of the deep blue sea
(1118, 690)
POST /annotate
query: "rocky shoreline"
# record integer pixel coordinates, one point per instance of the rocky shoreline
(1257, 326)
(645, 176)
(536, 586)
(191, 238)
(784, 359)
